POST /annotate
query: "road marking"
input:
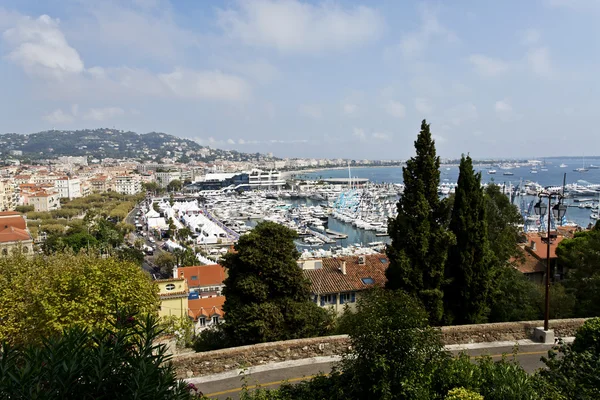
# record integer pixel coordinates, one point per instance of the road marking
(304, 378)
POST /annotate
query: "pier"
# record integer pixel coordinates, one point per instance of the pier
(336, 235)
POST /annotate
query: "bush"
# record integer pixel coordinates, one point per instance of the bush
(463, 394)
(119, 362)
(213, 338)
(24, 209)
(588, 337)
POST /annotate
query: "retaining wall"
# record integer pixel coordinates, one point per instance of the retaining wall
(211, 362)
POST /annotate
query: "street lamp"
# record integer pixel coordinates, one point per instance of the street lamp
(559, 210)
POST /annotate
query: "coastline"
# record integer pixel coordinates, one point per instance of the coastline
(286, 174)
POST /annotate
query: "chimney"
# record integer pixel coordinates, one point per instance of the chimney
(344, 267)
(361, 260)
(533, 245)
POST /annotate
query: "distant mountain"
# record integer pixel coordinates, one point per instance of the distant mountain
(111, 143)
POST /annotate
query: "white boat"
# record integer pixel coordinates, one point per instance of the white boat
(594, 216)
(563, 165)
(491, 171)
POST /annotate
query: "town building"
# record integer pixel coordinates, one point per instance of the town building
(129, 184)
(337, 282)
(44, 200)
(9, 195)
(14, 233)
(173, 294)
(68, 188)
(206, 280)
(533, 256)
(163, 178)
(206, 311)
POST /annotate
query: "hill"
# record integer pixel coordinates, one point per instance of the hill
(111, 143)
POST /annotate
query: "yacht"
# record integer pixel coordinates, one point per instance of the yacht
(592, 166)
(508, 173)
(563, 165)
(491, 171)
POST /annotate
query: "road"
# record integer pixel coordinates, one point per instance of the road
(528, 356)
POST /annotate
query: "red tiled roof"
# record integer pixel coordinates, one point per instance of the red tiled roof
(12, 234)
(12, 218)
(330, 279)
(206, 307)
(206, 275)
(528, 263)
(540, 247)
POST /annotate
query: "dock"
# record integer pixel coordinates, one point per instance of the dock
(381, 234)
(336, 235)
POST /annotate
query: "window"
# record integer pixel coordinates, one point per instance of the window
(368, 281)
(215, 319)
(328, 299)
(347, 297)
(194, 277)
(202, 321)
(383, 260)
(170, 286)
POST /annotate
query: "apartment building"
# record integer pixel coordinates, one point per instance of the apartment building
(129, 184)
(164, 178)
(14, 234)
(68, 188)
(100, 184)
(9, 195)
(45, 200)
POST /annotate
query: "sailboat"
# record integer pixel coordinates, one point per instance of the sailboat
(583, 168)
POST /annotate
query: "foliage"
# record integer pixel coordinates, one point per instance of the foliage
(502, 219)
(501, 380)
(467, 267)
(463, 394)
(166, 262)
(395, 354)
(212, 338)
(267, 296)
(513, 296)
(42, 295)
(119, 362)
(573, 371)
(24, 209)
(581, 257)
(180, 327)
(420, 239)
(131, 254)
(174, 186)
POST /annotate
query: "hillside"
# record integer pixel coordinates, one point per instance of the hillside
(103, 143)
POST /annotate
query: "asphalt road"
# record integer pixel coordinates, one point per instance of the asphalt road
(528, 356)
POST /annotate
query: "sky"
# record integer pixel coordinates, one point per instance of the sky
(323, 79)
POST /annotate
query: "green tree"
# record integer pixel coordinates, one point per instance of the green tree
(503, 230)
(467, 268)
(174, 186)
(121, 361)
(24, 209)
(395, 353)
(580, 256)
(267, 296)
(166, 262)
(573, 370)
(513, 297)
(420, 239)
(42, 295)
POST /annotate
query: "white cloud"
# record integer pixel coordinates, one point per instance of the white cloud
(230, 141)
(58, 116)
(241, 141)
(539, 62)
(461, 114)
(413, 43)
(381, 136)
(488, 66)
(531, 36)
(311, 111)
(294, 26)
(359, 134)
(102, 114)
(40, 47)
(503, 106)
(349, 108)
(423, 106)
(214, 85)
(260, 71)
(395, 109)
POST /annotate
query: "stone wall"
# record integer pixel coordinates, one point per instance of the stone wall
(211, 362)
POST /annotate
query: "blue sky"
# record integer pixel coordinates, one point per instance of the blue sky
(310, 78)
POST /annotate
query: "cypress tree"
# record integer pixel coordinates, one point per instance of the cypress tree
(467, 268)
(420, 239)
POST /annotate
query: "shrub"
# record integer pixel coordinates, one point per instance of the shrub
(463, 394)
(119, 362)
(213, 338)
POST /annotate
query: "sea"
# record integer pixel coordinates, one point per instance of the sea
(553, 176)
